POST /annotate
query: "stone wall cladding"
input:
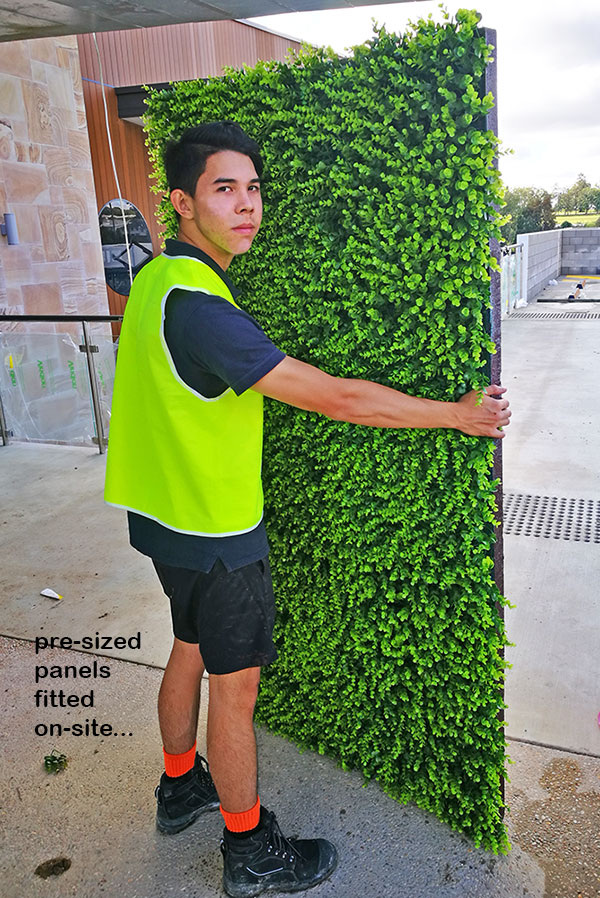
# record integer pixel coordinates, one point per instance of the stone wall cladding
(46, 181)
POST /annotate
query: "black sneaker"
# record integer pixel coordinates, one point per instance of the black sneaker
(180, 800)
(267, 860)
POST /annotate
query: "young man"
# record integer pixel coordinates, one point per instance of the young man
(185, 459)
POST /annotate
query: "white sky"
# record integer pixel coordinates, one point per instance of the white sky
(548, 75)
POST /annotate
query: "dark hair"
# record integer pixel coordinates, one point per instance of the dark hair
(185, 159)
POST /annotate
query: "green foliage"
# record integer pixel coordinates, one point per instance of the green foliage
(580, 197)
(528, 209)
(55, 761)
(373, 262)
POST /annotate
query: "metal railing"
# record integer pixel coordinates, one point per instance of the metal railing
(87, 346)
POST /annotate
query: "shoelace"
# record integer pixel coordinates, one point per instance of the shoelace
(277, 844)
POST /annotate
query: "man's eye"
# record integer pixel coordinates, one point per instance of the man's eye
(223, 188)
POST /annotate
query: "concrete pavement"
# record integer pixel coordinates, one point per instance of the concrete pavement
(57, 533)
(551, 366)
(99, 812)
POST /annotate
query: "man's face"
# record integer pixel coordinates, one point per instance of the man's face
(224, 214)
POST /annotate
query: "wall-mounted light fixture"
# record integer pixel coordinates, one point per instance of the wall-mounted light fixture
(8, 228)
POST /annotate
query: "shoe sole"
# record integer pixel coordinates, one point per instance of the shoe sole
(250, 890)
(170, 827)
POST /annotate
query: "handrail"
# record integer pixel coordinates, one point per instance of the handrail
(4, 317)
(86, 347)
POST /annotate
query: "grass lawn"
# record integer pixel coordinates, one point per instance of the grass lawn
(589, 219)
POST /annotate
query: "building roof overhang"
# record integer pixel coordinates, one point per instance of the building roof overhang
(51, 18)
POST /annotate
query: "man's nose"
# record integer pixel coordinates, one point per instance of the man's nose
(246, 202)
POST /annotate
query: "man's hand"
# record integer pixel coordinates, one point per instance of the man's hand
(481, 415)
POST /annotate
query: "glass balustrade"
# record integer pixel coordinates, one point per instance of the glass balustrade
(56, 379)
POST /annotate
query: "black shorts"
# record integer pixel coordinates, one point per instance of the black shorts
(229, 614)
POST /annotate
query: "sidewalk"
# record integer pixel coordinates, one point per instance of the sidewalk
(551, 366)
(99, 812)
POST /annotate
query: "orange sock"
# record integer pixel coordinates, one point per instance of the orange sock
(177, 765)
(241, 822)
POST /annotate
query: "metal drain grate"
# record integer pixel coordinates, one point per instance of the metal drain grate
(552, 517)
(554, 316)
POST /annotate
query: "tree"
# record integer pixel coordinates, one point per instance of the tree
(530, 209)
(578, 198)
(592, 199)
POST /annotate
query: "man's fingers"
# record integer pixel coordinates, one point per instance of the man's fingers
(497, 407)
(500, 410)
(497, 404)
(494, 412)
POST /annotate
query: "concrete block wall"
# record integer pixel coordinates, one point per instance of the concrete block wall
(542, 252)
(581, 251)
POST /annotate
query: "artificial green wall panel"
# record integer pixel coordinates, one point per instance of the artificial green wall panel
(373, 262)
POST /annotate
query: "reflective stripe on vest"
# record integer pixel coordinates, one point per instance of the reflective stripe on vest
(191, 463)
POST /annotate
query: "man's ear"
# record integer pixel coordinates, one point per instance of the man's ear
(182, 203)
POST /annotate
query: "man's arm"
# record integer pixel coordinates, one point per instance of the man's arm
(365, 402)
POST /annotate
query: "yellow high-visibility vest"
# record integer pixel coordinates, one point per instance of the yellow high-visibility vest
(190, 462)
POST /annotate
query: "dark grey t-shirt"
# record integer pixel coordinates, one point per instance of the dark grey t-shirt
(214, 345)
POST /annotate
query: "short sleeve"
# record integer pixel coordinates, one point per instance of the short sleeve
(215, 345)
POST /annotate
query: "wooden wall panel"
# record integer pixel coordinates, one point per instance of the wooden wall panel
(177, 52)
(132, 163)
